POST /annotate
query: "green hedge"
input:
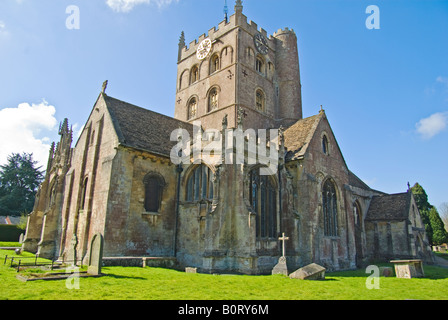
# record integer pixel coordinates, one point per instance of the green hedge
(10, 233)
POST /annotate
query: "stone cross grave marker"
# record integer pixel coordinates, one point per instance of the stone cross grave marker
(281, 267)
(96, 255)
(283, 239)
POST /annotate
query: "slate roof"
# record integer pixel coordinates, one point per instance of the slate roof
(299, 135)
(389, 207)
(354, 181)
(143, 129)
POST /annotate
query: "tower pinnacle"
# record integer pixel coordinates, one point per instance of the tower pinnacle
(239, 6)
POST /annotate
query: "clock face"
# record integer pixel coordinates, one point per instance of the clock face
(204, 49)
(261, 43)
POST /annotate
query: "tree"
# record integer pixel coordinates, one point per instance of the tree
(434, 226)
(444, 214)
(19, 180)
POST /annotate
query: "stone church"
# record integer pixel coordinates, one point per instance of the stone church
(119, 180)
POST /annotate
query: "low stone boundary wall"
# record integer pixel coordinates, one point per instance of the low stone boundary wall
(155, 262)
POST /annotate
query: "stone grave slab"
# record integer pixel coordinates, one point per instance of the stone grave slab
(310, 272)
(408, 269)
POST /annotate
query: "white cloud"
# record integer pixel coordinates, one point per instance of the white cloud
(128, 5)
(22, 129)
(2, 27)
(433, 125)
(443, 80)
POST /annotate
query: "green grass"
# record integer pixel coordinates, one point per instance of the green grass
(4, 244)
(161, 284)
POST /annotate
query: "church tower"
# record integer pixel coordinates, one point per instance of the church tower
(237, 66)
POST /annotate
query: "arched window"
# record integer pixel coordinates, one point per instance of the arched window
(192, 108)
(154, 184)
(213, 99)
(214, 64)
(325, 144)
(194, 74)
(183, 80)
(200, 184)
(330, 209)
(260, 100)
(263, 199)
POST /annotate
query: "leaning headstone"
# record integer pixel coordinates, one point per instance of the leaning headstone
(96, 255)
(310, 272)
(281, 267)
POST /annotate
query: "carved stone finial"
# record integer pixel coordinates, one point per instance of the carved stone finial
(63, 127)
(104, 86)
(182, 39)
(241, 115)
(225, 122)
(322, 109)
(281, 134)
(239, 6)
(181, 45)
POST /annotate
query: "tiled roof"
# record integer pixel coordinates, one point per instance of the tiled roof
(356, 182)
(143, 129)
(298, 136)
(389, 207)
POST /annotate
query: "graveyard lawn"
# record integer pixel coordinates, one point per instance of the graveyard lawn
(10, 244)
(162, 284)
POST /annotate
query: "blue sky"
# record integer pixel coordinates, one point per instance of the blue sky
(385, 91)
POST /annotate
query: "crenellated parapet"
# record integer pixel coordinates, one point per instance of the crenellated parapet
(236, 20)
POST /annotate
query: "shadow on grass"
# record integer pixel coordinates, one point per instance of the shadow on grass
(115, 276)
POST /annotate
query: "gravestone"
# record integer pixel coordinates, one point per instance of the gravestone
(191, 270)
(71, 252)
(386, 272)
(281, 267)
(96, 255)
(310, 272)
(408, 269)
